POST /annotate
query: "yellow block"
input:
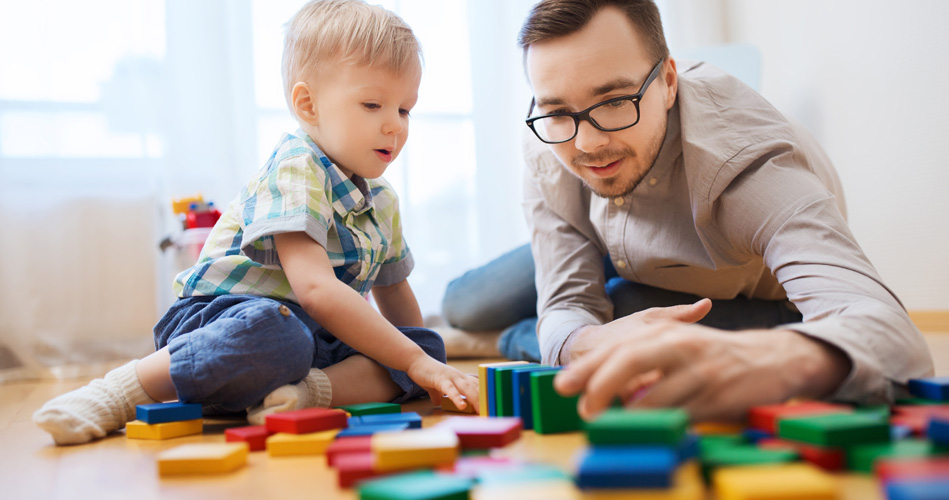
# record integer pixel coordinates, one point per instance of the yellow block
(202, 458)
(414, 448)
(687, 485)
(773, 482)
(137, 429)
(283, 444)
(483, 383)
(717, 428)
(550, 489)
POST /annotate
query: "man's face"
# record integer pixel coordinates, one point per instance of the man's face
(605, 59)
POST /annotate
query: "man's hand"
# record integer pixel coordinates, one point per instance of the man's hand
(712, 374)
(438, 379)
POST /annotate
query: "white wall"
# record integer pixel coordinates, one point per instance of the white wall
(870, 79)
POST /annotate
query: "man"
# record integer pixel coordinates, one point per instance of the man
(693, 185)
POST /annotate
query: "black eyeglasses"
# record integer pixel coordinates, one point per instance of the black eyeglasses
(610, 115)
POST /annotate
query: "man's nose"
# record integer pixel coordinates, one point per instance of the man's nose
(589, 138)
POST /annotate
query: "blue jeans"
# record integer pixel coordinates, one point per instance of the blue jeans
(229, 351)
(500, 296)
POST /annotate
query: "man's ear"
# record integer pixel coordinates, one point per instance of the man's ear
(671, 77)
(304, 104)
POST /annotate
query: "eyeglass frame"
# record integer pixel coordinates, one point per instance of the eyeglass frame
(585, 114)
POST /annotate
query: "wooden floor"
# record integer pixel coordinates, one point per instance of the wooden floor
(31, 467)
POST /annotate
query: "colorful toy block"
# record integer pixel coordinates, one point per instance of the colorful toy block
(368, 430)
(829, 459)
(861, 458)
(726, 456)
(627, 467)
(938, 430)
(929, 489)
(552, 412)
(550, 489)
(413, 419)
(840, 429)
(416, 486)
(283, 444)
(449, 405)
(480, 433)
(521, 388)
(473, 466)
(909, 469)
(687, 485)
(717, 428)
(933, 389)
(361, 409)
(766, 417)
(354, 467)
(504, 389)
(486, 385)
(137, 429)
(306, 421)
(255, 436)
(414, 448)
(202, 458)
(159, 413)
(623, 427)
(348, 445)
(520, 473)
(774, 482)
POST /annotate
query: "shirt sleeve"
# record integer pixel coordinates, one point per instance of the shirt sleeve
(292, 196)
(568, 258)
(398, 263)
(782, 212)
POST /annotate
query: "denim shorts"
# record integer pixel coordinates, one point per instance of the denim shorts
(229, 351)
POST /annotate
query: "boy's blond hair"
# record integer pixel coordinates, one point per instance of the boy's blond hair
(348, 31)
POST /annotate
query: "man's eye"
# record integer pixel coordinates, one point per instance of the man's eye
(371, 105)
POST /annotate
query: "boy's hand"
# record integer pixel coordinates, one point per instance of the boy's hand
(439, 379)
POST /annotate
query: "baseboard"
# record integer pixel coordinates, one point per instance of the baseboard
(931, 321)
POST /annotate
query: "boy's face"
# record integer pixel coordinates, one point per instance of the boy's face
(362, 116)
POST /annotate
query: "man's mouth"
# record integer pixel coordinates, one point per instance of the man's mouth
(604, 170)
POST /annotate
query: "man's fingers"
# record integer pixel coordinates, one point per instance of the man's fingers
(574, 377)
(686, 313)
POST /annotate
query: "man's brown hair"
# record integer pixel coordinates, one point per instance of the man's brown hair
(556, 18)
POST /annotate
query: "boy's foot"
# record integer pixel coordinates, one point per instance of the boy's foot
(92, 411)
(314, 391)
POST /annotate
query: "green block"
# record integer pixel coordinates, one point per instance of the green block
(862, 457)
(416, 486)
(917, 402)
(841, 429)
(618, 426)
(722, 456)
(362, 409)
(879, 411)
(711, 442)
(504, 389)
(552, 412)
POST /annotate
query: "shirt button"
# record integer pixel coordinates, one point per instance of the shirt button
(621, 264)
(284, 310)
(618, 201)
(652, 181)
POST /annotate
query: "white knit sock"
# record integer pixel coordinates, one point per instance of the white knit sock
(314, 391)
(93, 411)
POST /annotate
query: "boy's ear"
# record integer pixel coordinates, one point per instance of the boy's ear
(304, 104)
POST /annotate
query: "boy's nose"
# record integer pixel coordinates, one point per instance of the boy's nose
(392, 124)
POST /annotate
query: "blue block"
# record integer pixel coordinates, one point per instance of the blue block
(922, 489)
(159, 413)
(521, 382)
(492, 406)
(413, 419)
(753, 435)
(689, 447)
(368, 430)
(938, 430)
(627, 467)
(935, 389)
(898, 432)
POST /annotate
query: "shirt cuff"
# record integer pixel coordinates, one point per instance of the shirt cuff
(554, 327)
(395, 272)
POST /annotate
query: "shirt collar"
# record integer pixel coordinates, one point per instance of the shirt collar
(349, 194)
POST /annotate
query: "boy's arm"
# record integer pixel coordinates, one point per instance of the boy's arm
(345, 314)
(397, 304)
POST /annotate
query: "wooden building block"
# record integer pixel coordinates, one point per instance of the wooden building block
(348, 445)
(743, 455)
(481, 433)
(552, 412)
(202, 458)
(521, 387)
(829, 459)
(717, 428)
(520, 473)
(416, 486)
(159, 413)
(414, 448)
(551, 489)
(413, 419)
(359, 410)
(486, 385)
(938, 430)
(626, 467)
(471, 467)
(137, 429)
(933, 389)
(861, 458)
(255, 436)
(686, 485)
(354, 467)
(368, 430)
(776, 482)
(504, 389)
(830, 430)
(449, 405)
(928, 489)
(908, 469)
(306, 421)
(283, 444)
(617, 426)
(766, 417)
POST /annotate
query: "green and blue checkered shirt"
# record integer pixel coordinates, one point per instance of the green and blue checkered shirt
(356, 220)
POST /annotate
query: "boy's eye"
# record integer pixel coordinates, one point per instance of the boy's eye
(403, 112)
(371, 105)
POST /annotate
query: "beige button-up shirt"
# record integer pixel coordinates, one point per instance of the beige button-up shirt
(739, 202)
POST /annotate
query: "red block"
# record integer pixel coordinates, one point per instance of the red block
(355, 444)
(830, 459)
(480, 433)
(766, 417)
(353, 467)
(307, 420)
(913, 468)
(255, 436)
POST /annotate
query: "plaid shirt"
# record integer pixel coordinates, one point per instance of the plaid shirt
(356, 220)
